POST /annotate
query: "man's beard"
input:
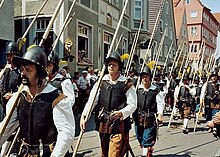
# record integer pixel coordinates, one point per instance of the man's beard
(25, 80)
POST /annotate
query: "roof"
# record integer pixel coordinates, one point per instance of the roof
(217, 17)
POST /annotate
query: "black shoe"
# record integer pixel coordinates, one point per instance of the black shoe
(175, 117)
(185, 131)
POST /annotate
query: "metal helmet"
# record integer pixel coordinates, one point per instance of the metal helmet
(214, 72)
(12, 48)
(114, 56)
(203, 76)
(196, 78)
(157, 73)
(146, 70)
(53, 58)
(35, 55)
(186, 76)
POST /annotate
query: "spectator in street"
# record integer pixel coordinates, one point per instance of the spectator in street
(83, 85)
(92, 77)
(68, 69)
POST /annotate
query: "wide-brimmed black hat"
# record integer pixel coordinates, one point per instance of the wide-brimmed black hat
(35, 55)
(114, 56)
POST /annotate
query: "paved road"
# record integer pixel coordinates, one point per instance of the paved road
(171, 143)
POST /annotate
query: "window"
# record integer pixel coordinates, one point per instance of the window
(117, 3)
(167, 30)
(187, 1)
(124, 45)
(161, 25)
(167, 7)
(86, 3)
(171, 33)
(138, 9)
(194, 48)
(84, 53)
(107, 38)
(137, 25)
(165, 50)
(42, 23)
(193, 13)
(125, 22)
(193, 30)
(41, 26)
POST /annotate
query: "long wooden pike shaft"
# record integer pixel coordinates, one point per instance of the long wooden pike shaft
(46, 33)
(32, 22)
(120, 38)
(1, 4)
(64, 26)
(133, 50)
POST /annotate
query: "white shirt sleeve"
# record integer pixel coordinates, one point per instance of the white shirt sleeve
(92, 97)
(131, 102)
(65, 124)
(13, 122)
(67, 88)
(160, 99)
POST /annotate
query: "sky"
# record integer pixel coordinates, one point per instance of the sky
(214, 5)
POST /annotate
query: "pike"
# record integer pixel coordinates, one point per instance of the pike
(165, 63)
(100, 80)
(197, 56)
(201, 61)
(177, 61)
(47, 31)
(174, 61)
(18, 93)
(151, 39)
(133, 50)
(1, 4)
(65, 24)
(35, 18)
(158, 52)
(120, 38)
(132, 47)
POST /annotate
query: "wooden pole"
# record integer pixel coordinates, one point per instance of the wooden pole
(133, 50)
(120, 38)
(33, 21)
(1, 4)
(100, 78)
(132, 47)
(46, 33)
(65, 24)
(151, 39)
(158, 53)
(165, 63)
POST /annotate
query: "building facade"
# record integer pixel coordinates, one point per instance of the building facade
(89, 35)
(202, 28)
(7, 24)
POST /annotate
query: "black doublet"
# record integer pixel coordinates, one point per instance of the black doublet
(212, 94)
(147, 100)
(112, 97)
(36, 118)
(11, 81)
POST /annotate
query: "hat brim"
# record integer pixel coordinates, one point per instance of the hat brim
(19, 61)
